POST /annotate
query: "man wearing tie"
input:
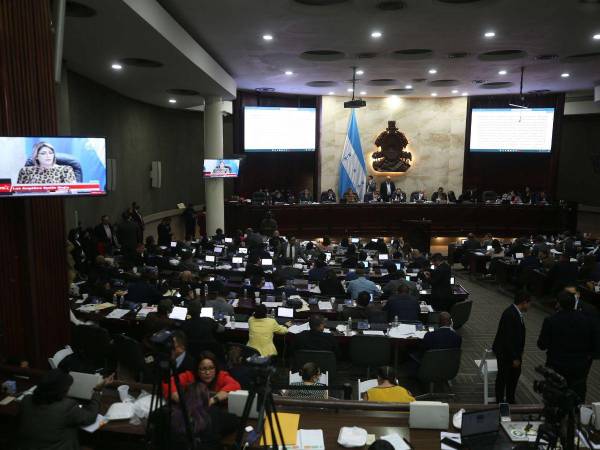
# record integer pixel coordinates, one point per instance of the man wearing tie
(291, 250)
(387, 189)
(417, 197)
(371, 185)
(508, 347)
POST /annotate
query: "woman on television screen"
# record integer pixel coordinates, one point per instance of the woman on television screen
(44, 169)
(221, 168)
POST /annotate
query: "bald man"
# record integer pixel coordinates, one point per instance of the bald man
(444, 337)
(386, 189)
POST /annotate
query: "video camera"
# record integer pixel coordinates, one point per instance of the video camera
(554, 390)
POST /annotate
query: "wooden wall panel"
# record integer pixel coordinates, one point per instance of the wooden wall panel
(33, 285)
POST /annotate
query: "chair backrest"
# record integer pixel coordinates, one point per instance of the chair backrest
(59, 356)
(489, 196)
(295, 377)
(364, 386)
(92, 342)
(64, 159)
(378, 316)
(370, 351)
(246, 351)
(129, 353)
(439, 365)
(460, 313)
(324, 359)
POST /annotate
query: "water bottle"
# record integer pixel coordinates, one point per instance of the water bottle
(232, 322)
(115, 301)
(395, 322)
(245, 292)
(349, 326)
(283, 298)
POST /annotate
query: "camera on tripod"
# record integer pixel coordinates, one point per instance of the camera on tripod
(554, 390)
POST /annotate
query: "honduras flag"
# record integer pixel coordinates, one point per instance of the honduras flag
(353, 170)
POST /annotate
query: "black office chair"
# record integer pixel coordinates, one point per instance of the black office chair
(64, 159)
(130, 358)
(246, 351)
(370, 351)
(197, 347)
(93, 344)
(460, 313)
(438, 366)
(324, 359)
(378, 316)
(489, 196)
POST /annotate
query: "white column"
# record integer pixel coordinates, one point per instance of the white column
(213, 149)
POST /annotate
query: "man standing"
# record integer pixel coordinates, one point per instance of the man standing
(508, 347)
(371, 184)
(105, 234)
(568, 336)
(189, 219)
(439, 278)
(387, 189)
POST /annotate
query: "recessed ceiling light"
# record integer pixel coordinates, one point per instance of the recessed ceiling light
(464, 94)
(363, 92)
(268, 37)
(434, 94)
(331, 93)
(376, 34)
(596, 36)
(502, 72)
(172, 100)
(116, 66)
(360, 72)
(289, 72)
(565, 75)
(408, 86)
(349, 89)
(489, 34)
(455, 91)
(432, 71)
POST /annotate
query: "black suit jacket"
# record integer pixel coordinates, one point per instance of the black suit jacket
(200, 329)
(441, 291)
(383, 193)
(101, 235)
(315, 340)
(405, 306)
(569, 338)
(442, 338)
(510, 336)
(331, 288)
(325, 197)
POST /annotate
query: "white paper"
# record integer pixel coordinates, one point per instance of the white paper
(402, 330)
(314, 289)
(373, 333)
(310, 439)
(206, 312)
(325, 305)
(178, 313)
(426, 309)
(142, 313)
(120, 411)
(117, 313)
(241, 325)
(295, 329)
(272, 304)
(100, 421)
(453, 436)
(396, 440)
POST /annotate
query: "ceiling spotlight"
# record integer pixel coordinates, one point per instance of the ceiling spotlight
(360, 72)
(289, 72)
(350, 89)
(432, 71)
(455, 91)
(596, 36)
(434, 94)
(408, 86)
(172, 100)
(464, 94)
(376, 34)
(268, 37)
(116, 66)
(330, 93)
(502, 72)
(489, 34)
(363, 92)
(565, 75)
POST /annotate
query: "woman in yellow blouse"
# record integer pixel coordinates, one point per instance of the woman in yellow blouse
(387, 390)
(261, 330)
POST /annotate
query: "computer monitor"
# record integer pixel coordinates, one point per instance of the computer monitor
(374, 240)
(489, 247)
(451, 280)
(287, 313)
(383, 257)
(327, 256)
(173, 244)
(243, 251)
(218, 250)
(237, 260)
(519, 255)
(209, 258)
(398, 266)
(480, 422)
(266, 262)
(354, 240)
(228, 240)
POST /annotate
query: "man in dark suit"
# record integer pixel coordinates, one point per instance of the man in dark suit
(439, 278)
(328, 196)
(563, 273)
(444, 337)
(371, 184)
(290, 250)
(198, 328)
(105, 234)
(315, 338)
(508, 347)
(418, 196)
(128, 233)
(386, 189)
(569, 338)
(402, 305)
(183, 360)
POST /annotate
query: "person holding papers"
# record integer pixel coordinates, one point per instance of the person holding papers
(387, 389)
(261, 329)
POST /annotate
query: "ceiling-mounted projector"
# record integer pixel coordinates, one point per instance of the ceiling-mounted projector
(355, 102)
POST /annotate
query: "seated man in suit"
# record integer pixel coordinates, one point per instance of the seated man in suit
(363, 310)
(399, 196)
(439, 196)
(328, 197)
(315, 338)
(361, 284)
(418, 197)
(350, 196)
(305, 196)
(386, 189)
(444, 337)
(402, 305)
(563, 273)
(319, 269)
(198, 328)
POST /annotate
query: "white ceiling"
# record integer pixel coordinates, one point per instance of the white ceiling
(231, 32)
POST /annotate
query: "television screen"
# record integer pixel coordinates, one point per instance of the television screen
(274, 129)
(517, 130)
(39, 166)
(221, 168)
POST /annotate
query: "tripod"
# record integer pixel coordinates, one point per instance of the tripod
(165, 370)
(261, 387)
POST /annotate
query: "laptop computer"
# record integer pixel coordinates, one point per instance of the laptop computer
(479, 429)
(83, 385)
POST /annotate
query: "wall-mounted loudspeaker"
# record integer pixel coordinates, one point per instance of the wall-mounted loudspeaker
(597, 93)
(156, 174)
(111, 174)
